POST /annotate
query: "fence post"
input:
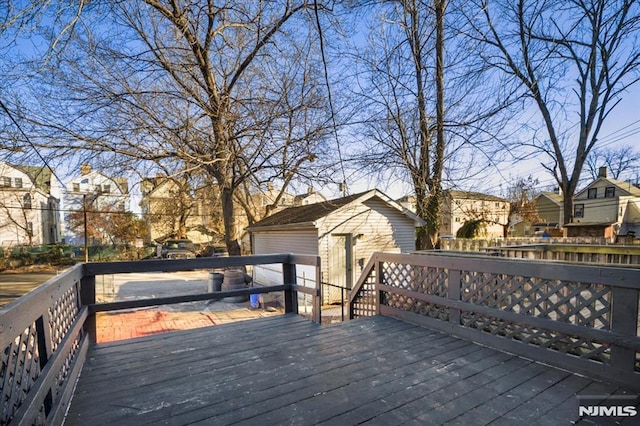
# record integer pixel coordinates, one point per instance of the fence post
(624, 320)
(88, 297)
(377, 291)
(290, 296)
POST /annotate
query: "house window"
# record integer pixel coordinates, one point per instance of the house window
(18, 182)
(6, 181)
(76, 187)
(578, 210)
(593, 193)
(609, 192)
(106, 189)
(457, 219)
(30, 229)
(26, 201)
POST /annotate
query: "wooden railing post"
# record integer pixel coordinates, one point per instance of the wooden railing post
(88, 297)
(624, 320)
(291, 295)
(454, 291)
(378, 280)
(317, 298)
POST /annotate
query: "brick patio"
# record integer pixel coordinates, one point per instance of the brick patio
(114, 326)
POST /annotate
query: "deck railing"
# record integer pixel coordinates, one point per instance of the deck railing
(46, 333)
(578, 317)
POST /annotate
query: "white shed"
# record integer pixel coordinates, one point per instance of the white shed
(344, 232)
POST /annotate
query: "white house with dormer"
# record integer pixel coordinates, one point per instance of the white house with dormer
(94, 191)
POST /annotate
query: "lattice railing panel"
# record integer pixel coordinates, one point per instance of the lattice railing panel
(637, 363)
(62, 314)
(19, 370)
(61, 317)
(22, 360)
(421, 279)
(546, 339)
(365, 304)
(570, 302)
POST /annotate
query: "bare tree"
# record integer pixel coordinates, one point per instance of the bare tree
(573, 59)
(226, 89)
(425, 106)
(619, 161)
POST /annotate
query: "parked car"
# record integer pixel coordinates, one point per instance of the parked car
(177, 249)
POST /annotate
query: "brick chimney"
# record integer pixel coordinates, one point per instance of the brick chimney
(602, 172)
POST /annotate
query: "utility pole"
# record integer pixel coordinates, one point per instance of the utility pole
(84, 217)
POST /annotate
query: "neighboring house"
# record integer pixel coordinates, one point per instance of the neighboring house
(548, 208)
(310, 197)
(268, 199)
(172, 210)
(93, 191)
(606, 208)
(459, 207)
(29, 214)
(344, 232)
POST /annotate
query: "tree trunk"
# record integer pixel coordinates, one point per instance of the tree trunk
(229, 219)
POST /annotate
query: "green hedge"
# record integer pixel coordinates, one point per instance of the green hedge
(63, 255)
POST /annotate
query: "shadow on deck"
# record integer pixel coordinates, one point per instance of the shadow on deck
(285, 369)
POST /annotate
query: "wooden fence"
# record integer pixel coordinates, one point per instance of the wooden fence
(581, 318)
(473, 244)
(46, 333)
(551, 249)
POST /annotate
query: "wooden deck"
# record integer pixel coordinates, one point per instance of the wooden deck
(287, 370)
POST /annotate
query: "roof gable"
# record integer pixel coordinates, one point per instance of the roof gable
(554, 197)
(626, 187)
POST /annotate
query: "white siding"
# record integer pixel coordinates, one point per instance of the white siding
(15, 217)
(297, 242)
(374, 226)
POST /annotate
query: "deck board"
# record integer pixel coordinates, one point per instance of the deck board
(286, 369)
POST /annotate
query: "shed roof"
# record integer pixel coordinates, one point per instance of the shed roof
(310, 213)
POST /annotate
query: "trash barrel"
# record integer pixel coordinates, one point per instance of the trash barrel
(215, 281)
(234, 279)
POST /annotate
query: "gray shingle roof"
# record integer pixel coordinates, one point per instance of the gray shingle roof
(305, 214)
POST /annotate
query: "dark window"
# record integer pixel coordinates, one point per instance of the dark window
(26, 201)
(6, 181)
(578, 210)
(76, 187)
(593, 193)
(18, 182)
(609, 192)
(106, 189)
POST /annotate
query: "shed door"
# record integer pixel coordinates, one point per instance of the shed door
(341, 261)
